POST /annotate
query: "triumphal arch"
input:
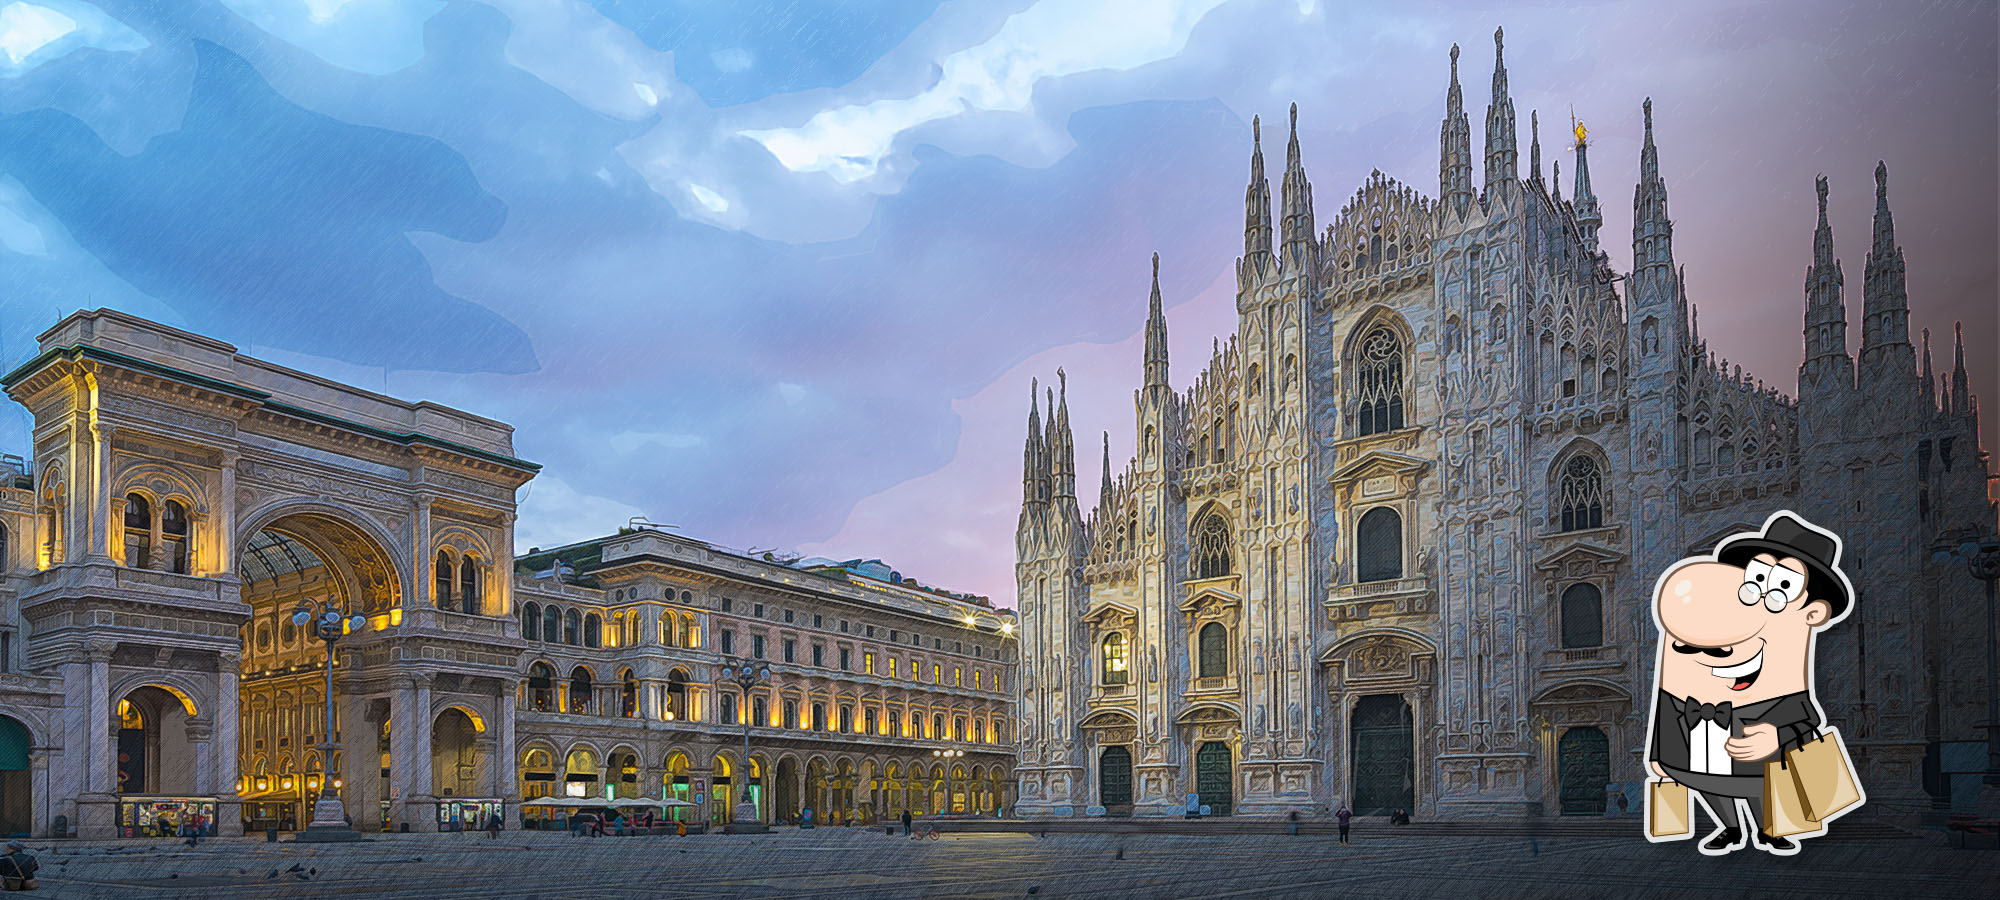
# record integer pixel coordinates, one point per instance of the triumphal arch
(187, 500)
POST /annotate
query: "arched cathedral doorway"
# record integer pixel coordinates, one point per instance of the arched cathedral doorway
(1384, 755)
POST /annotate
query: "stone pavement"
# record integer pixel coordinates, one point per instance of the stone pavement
(859, 863)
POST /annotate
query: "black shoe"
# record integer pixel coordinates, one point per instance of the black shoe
(1771, 843)
(1724, 840)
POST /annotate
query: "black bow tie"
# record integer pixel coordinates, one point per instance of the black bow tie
(1694, 712)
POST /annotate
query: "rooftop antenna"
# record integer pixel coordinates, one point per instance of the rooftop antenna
(641, 523)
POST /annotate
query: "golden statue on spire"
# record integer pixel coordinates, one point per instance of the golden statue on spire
(1582, 133)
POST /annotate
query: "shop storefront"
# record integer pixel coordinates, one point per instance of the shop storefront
(281, 814)
(163, 816)
(467, 813)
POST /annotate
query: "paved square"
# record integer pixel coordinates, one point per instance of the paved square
(856, 863)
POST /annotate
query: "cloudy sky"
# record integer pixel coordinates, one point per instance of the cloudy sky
(779, 272)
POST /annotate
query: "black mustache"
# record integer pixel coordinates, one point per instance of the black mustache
(1717, 652)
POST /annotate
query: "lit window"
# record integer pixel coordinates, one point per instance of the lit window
(1116, 659)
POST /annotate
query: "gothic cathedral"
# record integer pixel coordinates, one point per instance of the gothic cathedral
(1395, 545)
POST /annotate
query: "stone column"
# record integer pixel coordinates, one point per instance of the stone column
(425, 559)
(156, 552)
(360, 763)
(501, 778)
(200, 738)
(89, 720)
(99, 518)
(410, 779)
(500, 600)
(224, 756)
(38, 791)
(224, 537)
(703, 774)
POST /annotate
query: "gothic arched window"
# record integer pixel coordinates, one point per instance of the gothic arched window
(572, 623)
(1378, 545)
(1580, 494)
(1213, 651)
(1380, 382)
(593, 630)
(1211, 547)
(1116, 659)
(1582, 617)
(552, 624)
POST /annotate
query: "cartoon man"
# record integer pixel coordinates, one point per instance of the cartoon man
(1735, 671)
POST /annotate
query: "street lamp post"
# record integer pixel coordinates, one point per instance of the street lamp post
(1980, 552)
(329, 819)
(746, 675)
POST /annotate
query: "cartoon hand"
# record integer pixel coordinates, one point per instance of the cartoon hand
(1661, 772)
(1759, 741)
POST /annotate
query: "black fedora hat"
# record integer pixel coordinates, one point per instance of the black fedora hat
(1788, 535)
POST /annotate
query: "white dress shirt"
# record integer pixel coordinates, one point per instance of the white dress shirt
(1705, 751)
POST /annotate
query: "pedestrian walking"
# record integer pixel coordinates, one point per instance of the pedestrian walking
(906, 823)
(18, 867)
(680, 828)
(493, 827)
(1293, 827)
(1345, 816)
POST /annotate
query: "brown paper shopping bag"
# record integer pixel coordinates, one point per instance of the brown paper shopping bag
(1825, 776)
(1668, 813)
(1785, 811)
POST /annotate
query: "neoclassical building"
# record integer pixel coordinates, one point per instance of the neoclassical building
(1394, 545)
(883, 695)
(184, 500)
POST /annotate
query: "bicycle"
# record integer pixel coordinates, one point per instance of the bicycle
(924, 833)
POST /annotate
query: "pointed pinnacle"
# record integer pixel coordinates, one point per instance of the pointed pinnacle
(1256, 132)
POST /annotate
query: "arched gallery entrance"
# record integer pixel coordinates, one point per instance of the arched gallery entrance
(17, 795)
(312, 560)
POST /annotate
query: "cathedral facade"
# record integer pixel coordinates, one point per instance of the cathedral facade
(1395, 545)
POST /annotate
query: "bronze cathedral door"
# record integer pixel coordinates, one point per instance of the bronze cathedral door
(1114, 780)
(1384, 756)
(1583, 766)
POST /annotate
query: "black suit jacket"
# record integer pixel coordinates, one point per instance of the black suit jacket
(1795, 716)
